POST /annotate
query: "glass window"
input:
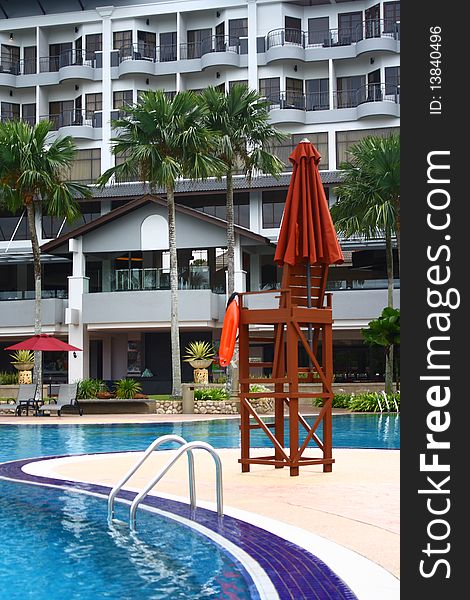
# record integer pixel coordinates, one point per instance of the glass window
(168, 46)
(147, 43)
(392, 80)
(273, 207)
(349, 27)
(319, 140)
(93, 102)
(317, 94)
(10, 59)
(346, 139)
(270, 88)
(392, 17)
(10, 111)
(86, 167)
(93, 43)
(235, 81)
(237, 28)
(121, 99)
(28, 113)
(318, 31)
(8, 224)
(29, 60)
(52, 226)
(293, 30)
(122, 39)
(350, 91)
(199, 42)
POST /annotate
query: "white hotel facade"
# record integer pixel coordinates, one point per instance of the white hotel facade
(331, 71)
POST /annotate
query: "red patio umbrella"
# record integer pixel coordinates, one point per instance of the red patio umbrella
(43, 342)
(307, 232)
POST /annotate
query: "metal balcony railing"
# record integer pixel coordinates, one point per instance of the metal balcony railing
(18, 67)
(192, 278)
(71, 118)
(140, 51)
(69, 58)
(372, 92)
(300, 101)
(215, 43)
(343, 36)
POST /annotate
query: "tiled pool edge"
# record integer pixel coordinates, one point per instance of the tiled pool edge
(294, 571)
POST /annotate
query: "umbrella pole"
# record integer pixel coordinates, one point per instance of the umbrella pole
(309, 305)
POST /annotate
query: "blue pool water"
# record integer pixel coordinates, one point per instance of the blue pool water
(349, 431)
(57, 545)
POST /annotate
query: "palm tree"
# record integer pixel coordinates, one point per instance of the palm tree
(368, 199)
(241, 119)
(163, 139)
(33, 175)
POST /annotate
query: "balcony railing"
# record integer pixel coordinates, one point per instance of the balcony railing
(192, 278)
(343, 36)
(147, 52)
(30, 294)
(18, 67)
(74, 118)
(215, 43)
(373, 92)
(300, 101)
(69, 58)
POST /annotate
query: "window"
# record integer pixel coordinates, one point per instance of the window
(319, 140)
(392, 18)
(10, 111)
(392, 80)
(52, 225)
(28, 113)
(93, 43)
(372, 21)
(61, 113)
(271, 89)
(215, 205)
(199, 42)
(239, 81)
(273, 207)
(9, 223)
(237, 28)
(349, 27)
(147, 44)
(350, 91)
(346, 139)
(86, 167)
(93, 103)
(10, 59)
(294, 93)
(293, 30)
(121, 99)
(122, 40)
(168, 46)
(29, 60)
(318, 32)
(317, 94)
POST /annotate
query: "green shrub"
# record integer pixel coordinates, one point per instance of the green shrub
(339, 401)
(372, 401)
(127, 388)
(22, 356)
(211, 394)
(8, 378)
(89, 388)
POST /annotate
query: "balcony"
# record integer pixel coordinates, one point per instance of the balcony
(30, 294)
(71, 64)
(374, 35)
(192, 278)
(17, 313)
(77, 123)
(374, 99)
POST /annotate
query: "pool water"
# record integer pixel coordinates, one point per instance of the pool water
(56, 544)
(349, 431)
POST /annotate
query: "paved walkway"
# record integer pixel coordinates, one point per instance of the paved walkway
(357, 505)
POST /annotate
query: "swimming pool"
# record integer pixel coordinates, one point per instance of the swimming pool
(349, 431)
(58, 541)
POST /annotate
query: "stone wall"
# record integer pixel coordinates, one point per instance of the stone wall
(168, 407)
(212, 407)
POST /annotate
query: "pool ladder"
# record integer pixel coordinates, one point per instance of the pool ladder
(185, 448)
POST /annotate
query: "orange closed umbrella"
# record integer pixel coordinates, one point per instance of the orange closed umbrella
(307, 232)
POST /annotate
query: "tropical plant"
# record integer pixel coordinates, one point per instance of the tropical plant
(211, 394)
(374, 402)
(34, 173)
(8, 378)
(90, 388)
(339, 401)
(257, 387)
(163, 139)
(385, 332)
(245, 134)
(22, 356)
(127, 388)
(199, 350)
(368, 199)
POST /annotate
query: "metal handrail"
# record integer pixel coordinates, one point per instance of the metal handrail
(155, 444)
(186, 448)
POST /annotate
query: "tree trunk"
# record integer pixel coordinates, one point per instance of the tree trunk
(30, 212)
(230, 236)
(389, 260)
(389, 370)
(174, 324)
(397, 227)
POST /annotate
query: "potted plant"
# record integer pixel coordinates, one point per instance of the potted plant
(199, 354)
(23, 360)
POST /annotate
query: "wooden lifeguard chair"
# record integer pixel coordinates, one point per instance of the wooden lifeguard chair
(300, 318)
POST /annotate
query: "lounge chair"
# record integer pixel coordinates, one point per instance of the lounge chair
(26, 397)
(67, 398)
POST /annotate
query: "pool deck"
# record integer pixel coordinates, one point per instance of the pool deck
(357, 505)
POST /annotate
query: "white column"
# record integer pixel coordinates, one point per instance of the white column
(331, 83)
(240, 274)
(255, 211)
(332, 150)
(179, 22)
(78, 333)
(105, 13)
(255, 272)
(252, 54)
